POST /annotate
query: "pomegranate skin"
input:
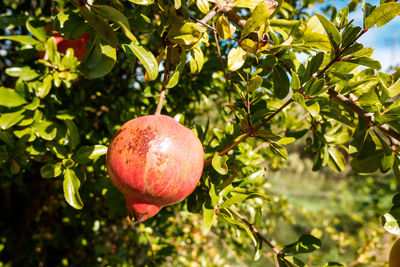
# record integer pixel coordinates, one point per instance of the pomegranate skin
(154, 161)
(79, 45)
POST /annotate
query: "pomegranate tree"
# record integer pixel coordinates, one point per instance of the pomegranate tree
(154, 161)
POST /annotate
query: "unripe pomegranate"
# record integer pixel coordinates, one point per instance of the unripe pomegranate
(154, 161)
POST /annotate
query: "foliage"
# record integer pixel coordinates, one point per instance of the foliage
(230, 71)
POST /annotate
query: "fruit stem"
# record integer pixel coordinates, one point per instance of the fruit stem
(161, 96)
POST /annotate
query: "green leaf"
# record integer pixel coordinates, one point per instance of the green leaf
(316, 88)
(219, 163)
(367, 165)
(66, 114)
(349, 35)
(299, 98)
(239, 197)
(236, 58)
(305, 244)
(44, 89)
(331, 30)
(24, 73)
(387, 162)
(281, 82)
(174, 79)
(45, 129)
(382, 14)
(103, 29)
(9, 119)
(73, 132)
(87, 153)
(15, 167)
(208, 217)
(116, 16)
(7, 139)
(71, 186)
(22, 39)
(341, 18)
(224, 28)
(35, 27)
(313, 107)
(258, 17)
(252, 177)
(69, 25)
(59, 150)
(295, 81)
(10, 98)
(286, 140)
(337, 160)
(393, 90)
(3, 157)
(51, 51)
(278, 149)
(146, 58)
(237, 224)
(254, 83)
(99, 60)
(51, 170)
(142, 2)
(196, 60)
(366, 61)
(314, 35)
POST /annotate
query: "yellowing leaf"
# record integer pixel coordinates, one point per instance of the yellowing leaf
(236, 58)
(224, 28)
(259, 16)
(185, 34)
(249, 45)
(196, 60)
(142, 2)
(203, 6)
(252, 3)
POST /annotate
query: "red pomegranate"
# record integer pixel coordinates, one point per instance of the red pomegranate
(79, 45)
(154, 161)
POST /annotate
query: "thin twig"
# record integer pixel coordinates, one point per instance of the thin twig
(276, 250)
(209, 16)
(221, 61)
(219, 52)
(161, 96)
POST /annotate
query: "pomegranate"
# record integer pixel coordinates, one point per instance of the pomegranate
(154, 161)
(79, 45)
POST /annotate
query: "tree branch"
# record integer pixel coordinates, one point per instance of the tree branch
(209, 16)
(393, 136)
(276, 250)
(338, 54)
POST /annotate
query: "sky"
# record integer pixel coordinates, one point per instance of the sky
(385, 40)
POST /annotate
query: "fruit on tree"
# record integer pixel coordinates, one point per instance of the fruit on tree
(154, 161)
(78, 45)
(394, 256)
